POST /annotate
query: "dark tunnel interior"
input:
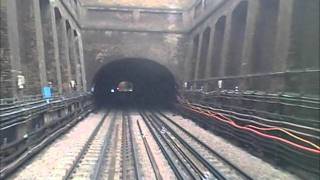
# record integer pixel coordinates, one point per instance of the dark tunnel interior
(150, 84)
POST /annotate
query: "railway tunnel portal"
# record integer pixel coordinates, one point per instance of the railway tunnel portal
(245, 70)
(151, 83)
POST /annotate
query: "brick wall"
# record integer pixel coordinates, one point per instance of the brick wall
(5, 73)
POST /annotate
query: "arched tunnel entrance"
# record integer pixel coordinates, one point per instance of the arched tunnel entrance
(134, 82)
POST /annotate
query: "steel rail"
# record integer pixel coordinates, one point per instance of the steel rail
(183, 154)
(106, 145)
(204, 162)
(194, 152)
(171, 147)
(124, 144)
(206, 147)
(133, 147)
(111, 171)
(212, 169)
(150, 155)
(165, 153)
(129, 147)
(85, 147)
(31, 152)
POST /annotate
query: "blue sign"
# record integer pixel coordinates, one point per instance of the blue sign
(46, 92)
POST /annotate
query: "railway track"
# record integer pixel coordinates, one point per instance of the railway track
(152, 160)
(130, 169)
(99, 171)
(188, 156)
(113, 151)
(99, 157)
(93, 153)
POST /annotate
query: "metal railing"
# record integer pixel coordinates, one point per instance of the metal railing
(260, 83)
(24, 124)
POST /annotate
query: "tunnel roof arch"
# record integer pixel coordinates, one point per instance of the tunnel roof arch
(128, 59)
(150, 80)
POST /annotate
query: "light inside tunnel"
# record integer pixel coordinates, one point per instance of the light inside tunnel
(125, 86)
(132, 81)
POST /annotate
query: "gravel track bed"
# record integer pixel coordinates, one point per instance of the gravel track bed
(118, 168)
(253, 166)
(144, 162)
(164, 168)
(53, 161)
(220, 165)
(109, 155)
(86, 165)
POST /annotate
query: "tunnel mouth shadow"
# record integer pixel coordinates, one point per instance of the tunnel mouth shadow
(152, 85)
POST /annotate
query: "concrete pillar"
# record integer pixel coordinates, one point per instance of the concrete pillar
(72, 53)
(282, 45)
(40, 46)
(210, 53)
(56, 50)
(46, 20)
(63, 51)
(249, 37)
(246, 64)
(188, 60)
(82, 65)
(66, 50)
(77, 63)
(226, 43)
(198, 57)
(14, 44)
